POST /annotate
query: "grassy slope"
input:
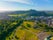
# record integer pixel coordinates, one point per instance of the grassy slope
(25, 33)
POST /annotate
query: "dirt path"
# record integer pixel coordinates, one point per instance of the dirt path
(42, 35)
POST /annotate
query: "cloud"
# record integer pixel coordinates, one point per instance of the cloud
(20, 1)
(7, 9)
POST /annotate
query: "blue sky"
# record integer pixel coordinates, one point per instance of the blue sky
(26, 5)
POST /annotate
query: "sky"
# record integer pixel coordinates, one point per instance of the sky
(12, 5)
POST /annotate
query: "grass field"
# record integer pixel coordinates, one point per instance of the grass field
(26, 32)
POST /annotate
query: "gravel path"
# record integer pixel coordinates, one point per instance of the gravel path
(42, 35)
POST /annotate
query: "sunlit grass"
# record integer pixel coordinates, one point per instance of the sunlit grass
(28, 22)
(23, 34)
(26, 33)
(15, 15)
(51, 38)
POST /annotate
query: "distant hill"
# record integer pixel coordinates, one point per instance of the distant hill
(29, 13)
(36, 13)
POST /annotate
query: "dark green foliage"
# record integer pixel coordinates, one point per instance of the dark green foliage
(16, 37)
(28, 25)
(5, 34)
(23, 27)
